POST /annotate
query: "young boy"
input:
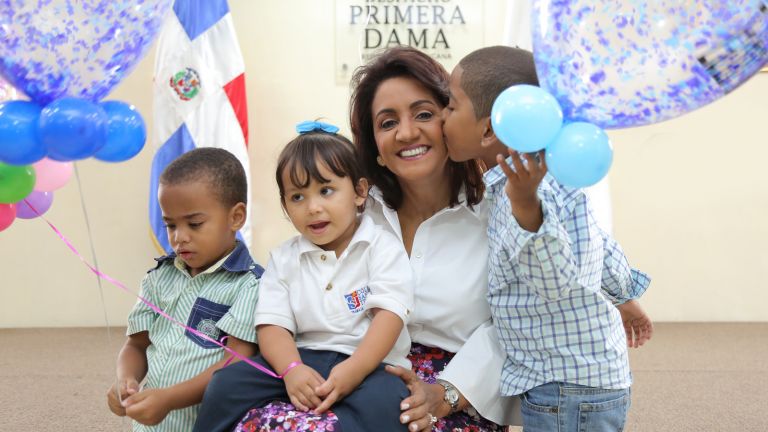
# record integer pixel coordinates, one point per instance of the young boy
(210, 283)
(554, 275)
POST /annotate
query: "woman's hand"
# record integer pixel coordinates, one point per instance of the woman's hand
(425, 401)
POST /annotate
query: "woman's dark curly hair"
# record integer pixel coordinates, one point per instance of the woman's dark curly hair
(395, 62)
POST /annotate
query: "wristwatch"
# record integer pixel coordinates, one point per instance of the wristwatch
(451, 396)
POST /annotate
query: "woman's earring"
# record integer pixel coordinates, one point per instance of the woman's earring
(380, 161)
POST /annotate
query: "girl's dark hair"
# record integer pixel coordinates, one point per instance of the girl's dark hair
(409, 62)
(303, 154)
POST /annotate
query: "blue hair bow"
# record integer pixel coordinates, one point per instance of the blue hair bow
(311, 126)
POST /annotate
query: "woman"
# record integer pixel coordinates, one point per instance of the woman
(435, 207)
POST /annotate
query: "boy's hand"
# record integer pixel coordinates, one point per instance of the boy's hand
(127, 388)
(148, 407)
(637, 324)
(300, 382)
(343, 379)
(522, 186)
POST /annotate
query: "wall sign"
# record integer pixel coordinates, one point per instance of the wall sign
(445, 29)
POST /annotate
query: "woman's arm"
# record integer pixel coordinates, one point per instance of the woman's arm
(475, 371)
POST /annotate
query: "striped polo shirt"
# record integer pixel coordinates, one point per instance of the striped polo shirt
(217, 302)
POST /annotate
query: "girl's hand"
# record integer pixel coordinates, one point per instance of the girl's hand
(126, 388)
(300, 383)
(425, 401)
(148, 407)
(343, 379)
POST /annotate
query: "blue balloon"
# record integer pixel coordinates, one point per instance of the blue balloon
(526, 118)
(19, 144)
(72, 128)
(580, 155)
(126, 132)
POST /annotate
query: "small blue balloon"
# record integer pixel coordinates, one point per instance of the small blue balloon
(526, 118)
(580, 155)
(19, 144)
(72, 128)
(126, 132)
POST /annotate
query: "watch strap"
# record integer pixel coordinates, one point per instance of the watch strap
(450, 390)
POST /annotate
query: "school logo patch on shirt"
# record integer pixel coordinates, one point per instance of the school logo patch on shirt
(356, 299)
(208, 328)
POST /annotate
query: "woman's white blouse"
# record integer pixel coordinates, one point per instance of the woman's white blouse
(449, 259)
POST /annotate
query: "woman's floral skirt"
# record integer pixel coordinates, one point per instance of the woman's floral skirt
(427, 363)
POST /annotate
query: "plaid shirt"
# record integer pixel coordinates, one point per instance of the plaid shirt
(552, 293)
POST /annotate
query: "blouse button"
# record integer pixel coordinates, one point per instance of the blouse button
(322, 257)
(329, 287)
(418, 255)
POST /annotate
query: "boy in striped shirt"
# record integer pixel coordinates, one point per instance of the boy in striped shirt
(210, 283)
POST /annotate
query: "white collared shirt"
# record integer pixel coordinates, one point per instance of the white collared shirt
(449, 258)
(323, 300)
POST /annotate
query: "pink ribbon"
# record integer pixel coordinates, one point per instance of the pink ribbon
(151, 305)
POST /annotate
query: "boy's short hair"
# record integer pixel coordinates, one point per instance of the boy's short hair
(300, 157)
(489, 71)
(219, 168)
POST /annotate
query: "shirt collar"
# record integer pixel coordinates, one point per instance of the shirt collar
(376, 194)
(237, 261)
(495, 175)
(366, 232)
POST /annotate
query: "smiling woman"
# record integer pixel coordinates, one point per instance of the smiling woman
(434, 206)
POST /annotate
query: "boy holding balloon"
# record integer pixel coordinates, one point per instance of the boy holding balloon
(210, 284)
(564, 338)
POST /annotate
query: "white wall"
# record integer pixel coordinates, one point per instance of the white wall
(689, 198)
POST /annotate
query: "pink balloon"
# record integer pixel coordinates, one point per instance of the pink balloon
(39, 200)
(51, 175)
(7, 215)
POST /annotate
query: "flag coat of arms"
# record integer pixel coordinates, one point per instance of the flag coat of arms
(199, 95)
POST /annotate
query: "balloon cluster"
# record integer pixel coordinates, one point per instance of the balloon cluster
(66, 56)
(614, 64)
(620, 64)
(528, 119)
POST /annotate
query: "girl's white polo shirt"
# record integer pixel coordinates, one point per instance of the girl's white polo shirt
(323, 299)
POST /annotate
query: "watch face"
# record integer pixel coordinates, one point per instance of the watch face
(452, 396)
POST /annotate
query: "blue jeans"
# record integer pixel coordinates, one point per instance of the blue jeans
(563, 407)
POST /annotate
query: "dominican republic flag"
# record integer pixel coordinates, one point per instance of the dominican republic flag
(199, 98)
